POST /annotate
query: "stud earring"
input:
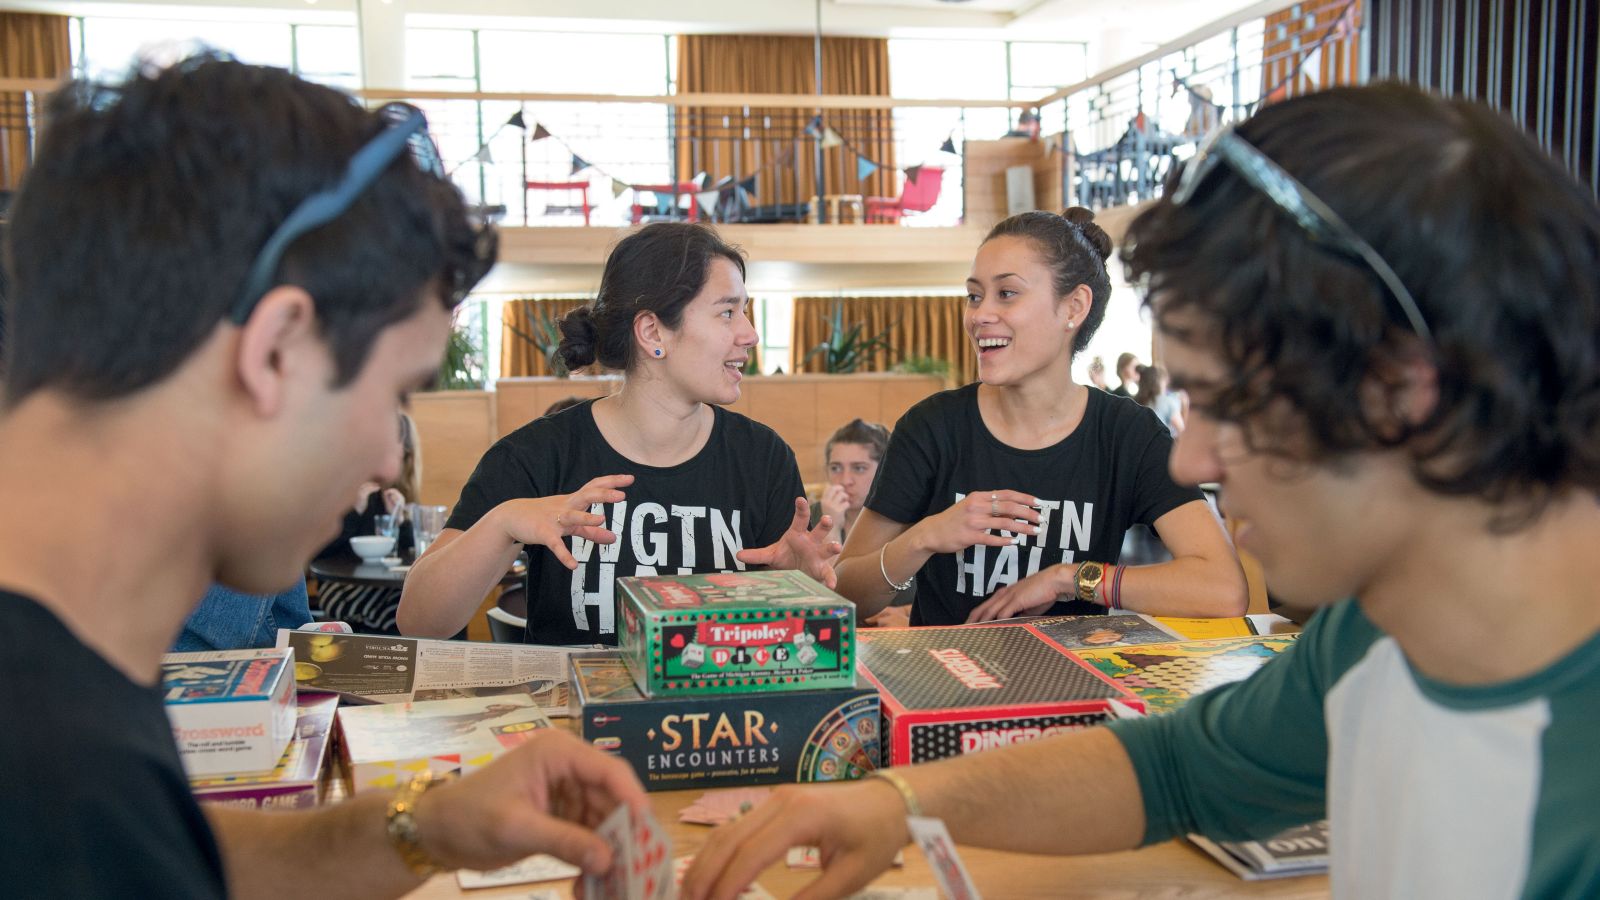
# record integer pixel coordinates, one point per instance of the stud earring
(658, 353)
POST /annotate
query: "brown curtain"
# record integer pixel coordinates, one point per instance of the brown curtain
(771, 144)
(31, 46)
(1291, 64)
(519, 356)
(915, 326)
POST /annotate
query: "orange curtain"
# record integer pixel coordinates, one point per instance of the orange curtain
(31, 46)
(1310, 46)
(914, 326)
(520, 356)
(770, 143)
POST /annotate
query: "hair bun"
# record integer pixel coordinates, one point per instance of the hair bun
(1082, 219)
(578, 338)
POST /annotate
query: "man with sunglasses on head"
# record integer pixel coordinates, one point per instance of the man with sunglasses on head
(224, 281)
(1386, 309)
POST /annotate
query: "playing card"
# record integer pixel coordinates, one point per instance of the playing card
(617, 831)
(934, 840)
(650, 860)
(811, 858)
(681, 865)
(895, 893)
(546, 894)
(719, 807)
(535, 868)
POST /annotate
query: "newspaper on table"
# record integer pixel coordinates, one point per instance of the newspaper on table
(376, 668)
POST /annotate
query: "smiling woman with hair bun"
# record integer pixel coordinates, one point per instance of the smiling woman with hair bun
(659, 474)
(1011, 496)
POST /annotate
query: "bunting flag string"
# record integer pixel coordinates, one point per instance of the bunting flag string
(827, 136)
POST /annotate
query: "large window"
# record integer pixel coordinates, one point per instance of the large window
(620, 143)
(106, 47)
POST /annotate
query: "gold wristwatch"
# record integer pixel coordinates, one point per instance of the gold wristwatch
(402, 825)
(1088, 580)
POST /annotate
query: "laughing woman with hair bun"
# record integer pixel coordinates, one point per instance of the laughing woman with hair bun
(658, 478)
(1011, 496)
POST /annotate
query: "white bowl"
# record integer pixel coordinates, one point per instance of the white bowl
(372, 547)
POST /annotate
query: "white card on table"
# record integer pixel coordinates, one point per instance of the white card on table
(934, 840)
(541, 867)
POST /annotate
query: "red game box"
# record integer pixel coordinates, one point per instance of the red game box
(948, 691)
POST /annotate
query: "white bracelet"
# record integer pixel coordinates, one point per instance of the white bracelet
(904, 586)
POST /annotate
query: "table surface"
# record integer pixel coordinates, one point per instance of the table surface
(1171, 870)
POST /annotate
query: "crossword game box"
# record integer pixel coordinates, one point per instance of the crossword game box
(298, 782)
(723, 740)
(232, 711)
(734, 632)
(949, 691)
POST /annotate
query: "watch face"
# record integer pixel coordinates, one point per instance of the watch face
(1091, 571)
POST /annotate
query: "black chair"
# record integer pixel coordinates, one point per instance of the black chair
(508, 618)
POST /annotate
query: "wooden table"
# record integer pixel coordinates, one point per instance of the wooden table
(1170, 870)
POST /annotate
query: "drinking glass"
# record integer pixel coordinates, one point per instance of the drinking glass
(387, 525)
(426, 523)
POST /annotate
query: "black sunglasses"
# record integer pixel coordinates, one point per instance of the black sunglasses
(407, 130)
(1315, 218)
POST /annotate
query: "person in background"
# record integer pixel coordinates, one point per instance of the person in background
(1156, 393)
(1127, 375)
(851, 456)
(1011, 496)
(227, 619)
(1408, 419)
(370, 608)
(659, 472)
(224, 281)
(1097, 373)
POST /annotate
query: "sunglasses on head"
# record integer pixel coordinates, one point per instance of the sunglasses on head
(407, 131)
(1307, 210)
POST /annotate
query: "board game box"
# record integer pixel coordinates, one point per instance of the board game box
(1167, 675)
(299, 781)
(948, 691)
(1074, 632)
(232, 711)
(382, 746)
(724, 740)
(734, 632)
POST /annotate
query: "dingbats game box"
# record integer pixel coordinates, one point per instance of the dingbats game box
(724, 740)
(948, 691)
(734, 632)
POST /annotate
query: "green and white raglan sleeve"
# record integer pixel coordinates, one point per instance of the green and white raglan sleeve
(1247, 760)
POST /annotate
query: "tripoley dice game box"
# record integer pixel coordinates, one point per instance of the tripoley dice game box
(734, 632)
(723, 740)
(948, 691)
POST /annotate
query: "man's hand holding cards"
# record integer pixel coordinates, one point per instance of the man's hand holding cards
(641, 859)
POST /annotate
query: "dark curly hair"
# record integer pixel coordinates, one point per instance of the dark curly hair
(132, 232)
(1076, 250)
(657, 269)
(1498, 244)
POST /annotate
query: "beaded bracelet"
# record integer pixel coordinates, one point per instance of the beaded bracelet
(903, 586)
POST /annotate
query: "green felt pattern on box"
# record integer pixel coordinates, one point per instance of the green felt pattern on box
(734, 632)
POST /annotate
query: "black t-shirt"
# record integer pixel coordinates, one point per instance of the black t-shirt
(1108, 474)
(95, 803)
(737, 493)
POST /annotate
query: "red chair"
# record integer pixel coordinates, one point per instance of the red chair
(916, 196)
(680, 189)
(582, 187)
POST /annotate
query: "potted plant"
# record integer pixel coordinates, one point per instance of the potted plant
(847, 349)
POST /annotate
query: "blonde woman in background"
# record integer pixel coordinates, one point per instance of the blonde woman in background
(370, 609)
